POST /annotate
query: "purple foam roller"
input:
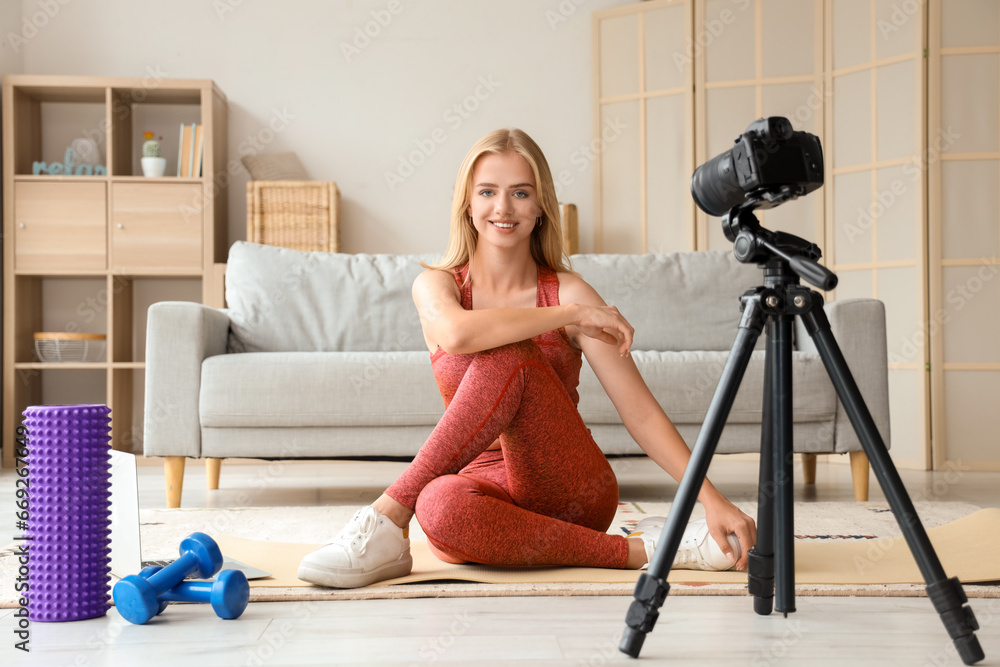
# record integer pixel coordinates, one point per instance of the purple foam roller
(69, 520)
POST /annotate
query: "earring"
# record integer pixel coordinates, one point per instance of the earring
(538, 222)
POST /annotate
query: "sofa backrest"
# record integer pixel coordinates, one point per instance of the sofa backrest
(675, 301)
(283, 300)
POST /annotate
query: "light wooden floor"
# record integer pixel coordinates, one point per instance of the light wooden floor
(522, 631)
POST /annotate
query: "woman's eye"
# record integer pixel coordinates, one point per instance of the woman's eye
(485, 193)
(521, 194)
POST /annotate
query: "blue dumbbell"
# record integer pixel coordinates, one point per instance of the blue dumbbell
(148, 572)
(137, 599)
(229, 594)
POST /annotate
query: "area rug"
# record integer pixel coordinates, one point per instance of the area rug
(840, 549)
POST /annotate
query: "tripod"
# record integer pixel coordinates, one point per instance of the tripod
(771, 576)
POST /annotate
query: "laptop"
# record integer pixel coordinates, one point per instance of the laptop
(126, 545)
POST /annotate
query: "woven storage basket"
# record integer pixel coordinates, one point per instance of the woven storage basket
(302, 215)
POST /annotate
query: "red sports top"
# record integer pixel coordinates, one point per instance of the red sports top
(449, 369)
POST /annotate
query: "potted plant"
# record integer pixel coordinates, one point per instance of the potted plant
(153, 165)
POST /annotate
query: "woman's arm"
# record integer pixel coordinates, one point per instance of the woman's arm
(460, 331)
(649, 425)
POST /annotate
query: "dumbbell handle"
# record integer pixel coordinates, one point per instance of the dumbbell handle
(174, 572)
(199, 555)
(189, 591)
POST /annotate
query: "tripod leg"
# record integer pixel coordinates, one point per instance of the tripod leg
(652, 588)
(946, 594)
(780, 352)
(760, 560)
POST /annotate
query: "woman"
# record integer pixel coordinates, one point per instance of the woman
(511, 475)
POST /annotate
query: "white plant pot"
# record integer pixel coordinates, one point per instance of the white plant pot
(154, 167)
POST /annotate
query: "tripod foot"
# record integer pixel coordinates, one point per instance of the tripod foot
(969, 649)
(948, 598)
(631, 642)
(650, 593)
(760, 581)
(762, 606)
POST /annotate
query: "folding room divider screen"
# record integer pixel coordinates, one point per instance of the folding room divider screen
(908, 210)
(964, 233)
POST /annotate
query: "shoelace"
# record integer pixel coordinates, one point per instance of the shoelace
(360, 529)
(687, 551)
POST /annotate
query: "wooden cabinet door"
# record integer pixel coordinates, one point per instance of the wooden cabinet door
(156, 226)
(60, 226)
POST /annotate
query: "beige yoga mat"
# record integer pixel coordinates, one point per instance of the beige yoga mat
(968, 549)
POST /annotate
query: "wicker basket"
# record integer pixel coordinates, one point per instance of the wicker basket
(61, 347)
(302, 215)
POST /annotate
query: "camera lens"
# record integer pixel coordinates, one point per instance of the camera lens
(714, 186)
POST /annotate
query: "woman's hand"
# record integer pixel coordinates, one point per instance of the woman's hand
(605, 323)
(723, 518)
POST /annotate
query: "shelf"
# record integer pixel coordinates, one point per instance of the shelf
(67, 273)
(26, 178)
(46, 178)
(91, 254)
(163, 179)
(40, 366)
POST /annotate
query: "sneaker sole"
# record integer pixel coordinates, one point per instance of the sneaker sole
(355, 577)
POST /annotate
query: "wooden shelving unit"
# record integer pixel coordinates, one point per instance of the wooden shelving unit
(103, 236)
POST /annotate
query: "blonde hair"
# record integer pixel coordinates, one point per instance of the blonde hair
(546, 239)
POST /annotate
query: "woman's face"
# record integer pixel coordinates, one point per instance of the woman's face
(504, 204)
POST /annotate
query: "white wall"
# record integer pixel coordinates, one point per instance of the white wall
(11, 53)
(352, 110)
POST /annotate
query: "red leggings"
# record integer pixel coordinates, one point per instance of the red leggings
(545, 498)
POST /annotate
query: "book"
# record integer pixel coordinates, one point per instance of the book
(187, 145)
(190, 169)
(199, 150)
(180, 150)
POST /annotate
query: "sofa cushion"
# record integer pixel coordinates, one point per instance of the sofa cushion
(684, 383)
(302, 389)
(675, 301)
(283, 300)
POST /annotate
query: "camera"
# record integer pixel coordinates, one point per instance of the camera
(770, 164)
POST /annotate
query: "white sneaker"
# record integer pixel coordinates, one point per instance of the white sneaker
(370, 548)
(698, 549)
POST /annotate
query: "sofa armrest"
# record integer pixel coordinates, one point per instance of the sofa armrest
(180, 335)
(859, 327)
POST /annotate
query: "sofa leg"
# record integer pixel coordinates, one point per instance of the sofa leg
(212, 469)
(859, 473)
(809, 468)
(173, 467)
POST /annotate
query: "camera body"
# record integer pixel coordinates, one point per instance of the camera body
(770, 162)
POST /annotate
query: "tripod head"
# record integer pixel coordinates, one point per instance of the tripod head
(753, 243)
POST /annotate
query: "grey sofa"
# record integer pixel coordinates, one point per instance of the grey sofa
(321, 356)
